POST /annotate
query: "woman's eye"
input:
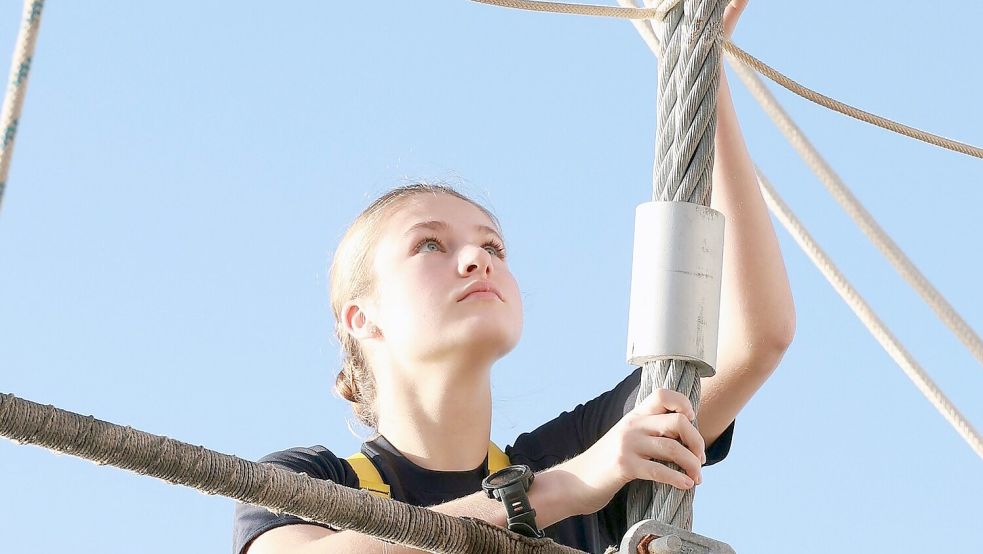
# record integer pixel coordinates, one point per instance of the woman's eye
(495, 249)
(428, 245)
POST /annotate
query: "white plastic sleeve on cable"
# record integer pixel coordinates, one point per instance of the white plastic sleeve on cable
(675, 284)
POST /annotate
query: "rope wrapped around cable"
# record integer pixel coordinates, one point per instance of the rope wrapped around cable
(20, 67)
(689, 72)
(265, 485)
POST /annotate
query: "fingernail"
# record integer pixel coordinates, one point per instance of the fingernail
(689, 483)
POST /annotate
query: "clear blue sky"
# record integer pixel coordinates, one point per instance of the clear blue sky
(183, 171)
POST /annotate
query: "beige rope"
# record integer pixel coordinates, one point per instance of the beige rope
(867, 316)
(20, 67)
(276, 489)
(904, 266)
(628, 11)
(645, 30)
(656, 12)
(846, 109)
(863, 311)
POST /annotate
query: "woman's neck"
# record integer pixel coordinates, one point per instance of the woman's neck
(439, 418)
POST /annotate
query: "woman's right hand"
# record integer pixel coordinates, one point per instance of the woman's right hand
(658, 430)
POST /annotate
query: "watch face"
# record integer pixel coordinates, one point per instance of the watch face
(506, 477)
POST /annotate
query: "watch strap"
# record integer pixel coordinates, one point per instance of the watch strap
(520, 514)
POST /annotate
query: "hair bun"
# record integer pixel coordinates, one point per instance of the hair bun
(344, 384)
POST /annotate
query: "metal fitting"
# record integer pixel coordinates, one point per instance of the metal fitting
(651, 537)
(675, 284)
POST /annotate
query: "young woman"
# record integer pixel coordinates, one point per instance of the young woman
(425, 305)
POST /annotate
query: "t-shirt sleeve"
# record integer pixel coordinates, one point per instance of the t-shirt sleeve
(317, 462)
(571, 433)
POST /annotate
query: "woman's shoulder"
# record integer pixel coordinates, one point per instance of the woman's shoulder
(316, 461)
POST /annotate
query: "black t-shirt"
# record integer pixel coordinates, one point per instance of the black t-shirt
(558, 440)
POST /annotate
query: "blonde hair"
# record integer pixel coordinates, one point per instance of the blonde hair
(352, 277)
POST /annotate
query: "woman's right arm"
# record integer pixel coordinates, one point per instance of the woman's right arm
(548, 495)
(660, 429)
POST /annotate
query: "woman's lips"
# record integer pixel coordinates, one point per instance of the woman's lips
(479, 290)
(481, 295)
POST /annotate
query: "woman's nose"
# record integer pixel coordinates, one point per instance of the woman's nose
(474, 260)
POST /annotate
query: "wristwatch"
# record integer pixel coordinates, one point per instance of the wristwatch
(510, 485)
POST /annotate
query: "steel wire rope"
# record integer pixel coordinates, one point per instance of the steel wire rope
(13, 103)
(689, 71)
(887, 340)
(881, 240)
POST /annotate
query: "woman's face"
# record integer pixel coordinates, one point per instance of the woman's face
(443, 290)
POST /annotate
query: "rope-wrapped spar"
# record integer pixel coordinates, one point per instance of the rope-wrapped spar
(265, 485)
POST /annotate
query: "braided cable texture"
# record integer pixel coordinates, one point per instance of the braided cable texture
(20, 67)
(689, 68)
(687, 112)
(785, 216)
(660, 501)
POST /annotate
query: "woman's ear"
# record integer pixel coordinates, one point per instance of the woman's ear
(357, 322)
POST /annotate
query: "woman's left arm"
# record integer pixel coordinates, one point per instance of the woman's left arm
(757, 315)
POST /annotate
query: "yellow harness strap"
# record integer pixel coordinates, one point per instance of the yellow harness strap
(370, 479)
(496, 459)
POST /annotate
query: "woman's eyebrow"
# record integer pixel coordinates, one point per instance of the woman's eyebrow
(443, 226)
(433, 225)
(490, 230)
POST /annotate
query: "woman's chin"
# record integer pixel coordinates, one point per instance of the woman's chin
(484, 337)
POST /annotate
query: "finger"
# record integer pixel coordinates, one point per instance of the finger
(663, 401)
(657, 471)
(668, 450)
(690, 436)
(673, 426)
(660, 472)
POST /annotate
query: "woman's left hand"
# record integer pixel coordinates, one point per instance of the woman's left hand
(658, 430)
